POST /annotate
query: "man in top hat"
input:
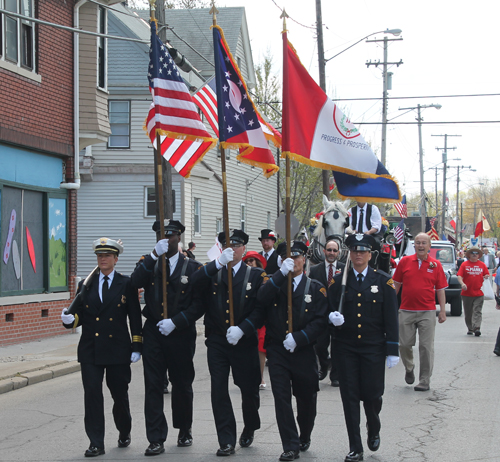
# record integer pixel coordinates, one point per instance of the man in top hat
(231, 348)
(366, 219)
(168, 343)
(103, 308)
(471, 275)
(290, 352)
(366, 338)
(324, 273)
(268, 239)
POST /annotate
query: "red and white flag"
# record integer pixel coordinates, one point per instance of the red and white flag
(453, 223)
(482, 224)
(402, 208)
(173, 114)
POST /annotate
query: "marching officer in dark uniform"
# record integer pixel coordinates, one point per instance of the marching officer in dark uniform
(268, 239)
(291, 357)
(105, 345)
(365, 338)
(231, 348)
(168, 343)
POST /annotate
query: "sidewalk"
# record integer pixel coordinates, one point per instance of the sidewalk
(29, 363)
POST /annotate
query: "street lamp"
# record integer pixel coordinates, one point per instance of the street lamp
(423, 211)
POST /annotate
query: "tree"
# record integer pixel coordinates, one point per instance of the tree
(268, 91)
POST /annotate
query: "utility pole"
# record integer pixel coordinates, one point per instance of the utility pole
(458, 224)
(322, 81)
(445, 160)
(385, 63)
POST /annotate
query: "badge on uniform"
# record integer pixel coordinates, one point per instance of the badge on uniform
(308, 298)
(124, 299)
(184, 279)
(249, 286)
(374, 289)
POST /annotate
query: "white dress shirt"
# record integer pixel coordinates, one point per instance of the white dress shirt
(101, 281)
(375, 219)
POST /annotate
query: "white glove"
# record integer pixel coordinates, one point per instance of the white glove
(166, 326)
(233, 335)
(67, 318)
(287, 266)
(161, 247)
(135, 357)
(289, 343)
(226, 257)
(336, 318)
(392, 361)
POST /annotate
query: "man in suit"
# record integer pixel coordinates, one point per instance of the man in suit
(324, 273)
(268, 239)
(488, 259)
(291, 358)
(169, 344)
(103, 308)
(365, 338)
(231, 346)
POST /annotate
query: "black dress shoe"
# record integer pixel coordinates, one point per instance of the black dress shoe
(497, 351)
(354, 456)
(421, 387)
(94, 451)
(477, 333)
(290, 455)
(225, 450)
(374, 442)
(154, 449)
(335, 383)
(185, 438)
(304, 445)
(246, 438)
(124, 441)
(322, 373)
(410, 377)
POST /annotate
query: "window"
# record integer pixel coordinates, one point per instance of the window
(119, 121)
(17, 36)
(150, 201)
(34, 257)
(197, 216)
(218, 225)
(242, 219)
(101, 45)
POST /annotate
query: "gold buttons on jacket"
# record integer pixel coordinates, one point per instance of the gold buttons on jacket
(359, 336)
(110, 319)
(214, 293)
(227, 321)
(359, 315)
(97, 319)
(227, 311)
(359, 304)
(97, 334)
(118, 305)
(374, 301)
(359, 325)
(359, 295)
(110, 336)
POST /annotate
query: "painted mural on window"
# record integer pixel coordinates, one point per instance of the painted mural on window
(57, 242)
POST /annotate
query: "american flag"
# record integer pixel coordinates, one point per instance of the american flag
(173, 114)
(430, 230)
(432, 221)
(402, 208)
(239, 125)
(399, 231)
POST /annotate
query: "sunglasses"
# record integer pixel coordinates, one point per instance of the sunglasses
(474, 253)
(250, 260)
(332, 250)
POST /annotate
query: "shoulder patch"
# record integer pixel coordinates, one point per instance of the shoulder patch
(142, 258)
(265, 279)
(323, 291)
(263, 274)
(390, 282)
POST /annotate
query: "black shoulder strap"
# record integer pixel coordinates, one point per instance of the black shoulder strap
(183, 273)
(354, 218)
(219, 294)
(303, 307)
(368, 217)
(244, 288)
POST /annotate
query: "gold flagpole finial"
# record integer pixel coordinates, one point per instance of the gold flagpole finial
(214, 12)
(284, 15)
(152, 4)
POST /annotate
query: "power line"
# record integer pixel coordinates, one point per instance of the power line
(418, 97)
(432, 123)
(291, 19)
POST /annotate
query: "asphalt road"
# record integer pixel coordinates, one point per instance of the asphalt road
(457, 420)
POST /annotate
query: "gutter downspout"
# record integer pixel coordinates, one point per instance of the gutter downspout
(76, 96)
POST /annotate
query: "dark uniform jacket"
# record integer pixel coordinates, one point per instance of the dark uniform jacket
(272, 262)
(105, 336)
(147, 274)
(309, 310)
(213, 287)
(318, 272)
(370, 311)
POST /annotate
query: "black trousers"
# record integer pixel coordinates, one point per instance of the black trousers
(243, 361)
(117, 379)
(174, 352)
(326, 360)
(293, 373)
(361, 377)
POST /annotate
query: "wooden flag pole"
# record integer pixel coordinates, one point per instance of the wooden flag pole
(225, 208)
(288, 238)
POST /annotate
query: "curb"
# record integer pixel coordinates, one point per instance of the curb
(23, 379)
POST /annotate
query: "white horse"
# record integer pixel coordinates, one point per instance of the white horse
(330, 225)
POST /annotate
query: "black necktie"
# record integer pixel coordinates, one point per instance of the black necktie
(360, 278)
(105, 289)
(266, 255)
(360, 223)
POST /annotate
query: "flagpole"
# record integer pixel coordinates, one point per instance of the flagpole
(225, 207)
(160, 211)
(287, 200)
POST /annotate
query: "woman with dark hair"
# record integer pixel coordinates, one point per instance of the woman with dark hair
(257, 260)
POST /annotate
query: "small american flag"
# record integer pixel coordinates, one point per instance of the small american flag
(432, 221)
(402, 208)
(399, 231)
(173, 113)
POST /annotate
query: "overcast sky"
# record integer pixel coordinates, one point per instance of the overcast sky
(448, 48)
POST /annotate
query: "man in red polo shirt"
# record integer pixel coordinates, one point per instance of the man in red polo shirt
(421, 276)
(471, 275)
